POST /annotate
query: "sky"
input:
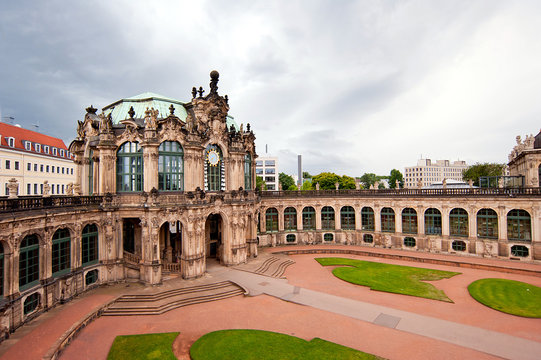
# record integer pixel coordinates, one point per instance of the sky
(352, 86)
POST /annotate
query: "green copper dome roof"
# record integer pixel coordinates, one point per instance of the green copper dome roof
(119, 109)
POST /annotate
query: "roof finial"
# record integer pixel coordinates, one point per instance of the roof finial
(201, 91)
(214, 75)
(172, 109)
(194, 92)
(131, 112)
(91, 109)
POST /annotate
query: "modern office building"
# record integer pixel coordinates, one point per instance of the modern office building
(428, 172)
(267, 168)
(31, 159)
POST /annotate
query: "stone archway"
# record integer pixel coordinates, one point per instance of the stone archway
(214, 236)
(171, 242)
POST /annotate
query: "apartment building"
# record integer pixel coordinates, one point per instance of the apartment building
(428, 172)
(267, 168)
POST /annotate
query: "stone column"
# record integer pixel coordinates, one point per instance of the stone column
(377, 218)
(420, 220)
(150, 165)
(280, 218)
(397, 221)
(444, 221)
(472, 222)
(318, 217)
(337, 218)
(502, 223)
(300, 226)
(107, 170)
(358, 225)
(194, 172)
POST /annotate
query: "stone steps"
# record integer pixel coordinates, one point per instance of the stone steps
(159, 303)
(273, 267)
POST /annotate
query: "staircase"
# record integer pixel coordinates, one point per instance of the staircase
(159, 303)
(273, 267)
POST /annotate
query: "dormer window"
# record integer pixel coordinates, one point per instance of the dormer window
(11, 141)
(54, 151)
(62, 152)
(46, 149)
(28, 145)
(37, 147)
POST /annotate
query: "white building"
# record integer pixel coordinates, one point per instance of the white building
(428, 172)
(267, 168)
(31, 158)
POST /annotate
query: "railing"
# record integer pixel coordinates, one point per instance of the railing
(132, 258)
(39, 202)
(474, 192)
(171, 267)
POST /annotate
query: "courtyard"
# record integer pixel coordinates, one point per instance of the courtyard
(309, 302)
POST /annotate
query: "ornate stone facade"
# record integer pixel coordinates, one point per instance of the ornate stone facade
(525, 159)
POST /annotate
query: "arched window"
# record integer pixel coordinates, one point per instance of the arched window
(368, 238)
(290, 219)
(432, 222)
(248, 172)
(1, 269)
(91, 173)
(519, 250)
(519, 226)
(387, 219)
(409, 221)
(458, 245)
(409, 241)
(271, 220)
(458, 222)
(170, 166)
(487, 224)
(61, 252)
(308, 218)
(367, 219)
(29, 262)
(290, 238)
(327, 218)
(89, 244)
(129, 167)
(347, 218)
(214, 169)
(328, 237)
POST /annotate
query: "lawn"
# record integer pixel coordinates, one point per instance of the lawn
(396, 279)
(143, 347)
(508, 296)
(261, 345)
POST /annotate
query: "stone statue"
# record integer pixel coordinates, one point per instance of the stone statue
(13, 188)
(397, 184)
(69, 189)
(106, 124)
(151, 119)
(46, 189)
(500, 182)
(470, 183)
(336, 185)
(419, 183)
(376, 185)
(317, 186)
(77, 189)
(80, 129)
(444, 183)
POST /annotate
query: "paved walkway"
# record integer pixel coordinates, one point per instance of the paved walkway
(491, 342)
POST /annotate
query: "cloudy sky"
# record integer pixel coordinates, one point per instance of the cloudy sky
(353, 86)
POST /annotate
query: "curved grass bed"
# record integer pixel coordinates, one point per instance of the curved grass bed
(262, 345)
(396, 279)
(146, 346)
(508, 296)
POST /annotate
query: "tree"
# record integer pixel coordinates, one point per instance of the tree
(474, 172)
(306, 175)
(286, 181)
(260, 183)
(307, 185)
(368, 179)
(396, 175)
(327, 180)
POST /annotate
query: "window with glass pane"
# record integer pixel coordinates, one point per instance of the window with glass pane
(61, 252)
(519, 225)
(458, 245)
(91, 277)
(432, 222)
(129, 167)
(368, 238)
(29, 262)
(347, 218)
(213, 168)
(458, 222)
(170, 166)
(308, 218)
(487, 224)
(91, 173)
(248, 172)
(31, 303)
(290, 238)
(90, 245)
(409, 242)
(519, 250)
(387, 220)
(290, 219)
(271, 220)
(328, 237)
(409, 221)
(327, 218)
(367, 218)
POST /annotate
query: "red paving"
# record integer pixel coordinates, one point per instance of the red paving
(269, 313)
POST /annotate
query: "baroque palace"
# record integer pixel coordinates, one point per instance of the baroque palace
(162, 185)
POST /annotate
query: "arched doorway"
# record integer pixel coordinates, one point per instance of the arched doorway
(171, 242)
(213, 236)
